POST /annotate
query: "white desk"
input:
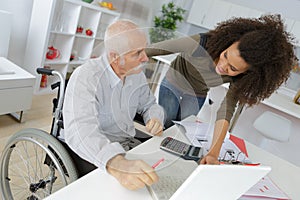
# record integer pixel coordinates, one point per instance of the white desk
(97, 184)
(16, 88)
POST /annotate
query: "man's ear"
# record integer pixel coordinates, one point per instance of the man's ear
(113, 57)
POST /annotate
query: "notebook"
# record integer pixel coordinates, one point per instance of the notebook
(213, 182)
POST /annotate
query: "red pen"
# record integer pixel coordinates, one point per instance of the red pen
(157, 163)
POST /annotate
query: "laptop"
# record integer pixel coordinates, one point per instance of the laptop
(208, 182)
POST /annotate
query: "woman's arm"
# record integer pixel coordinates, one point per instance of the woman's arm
(183, 44)
(220, 131)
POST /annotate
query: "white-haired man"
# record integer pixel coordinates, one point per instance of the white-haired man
(101, 100)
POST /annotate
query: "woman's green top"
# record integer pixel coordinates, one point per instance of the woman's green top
(193, 71)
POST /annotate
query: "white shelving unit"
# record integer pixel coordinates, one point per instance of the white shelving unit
(54, 24)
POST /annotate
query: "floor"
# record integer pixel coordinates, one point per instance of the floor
(39, 116)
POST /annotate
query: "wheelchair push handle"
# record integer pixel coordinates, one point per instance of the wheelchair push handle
(45, 71)
(52, 72)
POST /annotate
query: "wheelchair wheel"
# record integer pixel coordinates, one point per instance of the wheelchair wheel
(34, 165)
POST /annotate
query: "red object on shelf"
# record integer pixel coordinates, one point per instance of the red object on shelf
(79, 29)
(52, 53)
(89, 32)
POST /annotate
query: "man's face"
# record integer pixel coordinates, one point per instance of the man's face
(130, 61)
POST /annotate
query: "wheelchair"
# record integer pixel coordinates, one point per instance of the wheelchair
(34, 163)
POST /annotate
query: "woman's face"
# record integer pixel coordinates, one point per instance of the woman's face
(230, 62)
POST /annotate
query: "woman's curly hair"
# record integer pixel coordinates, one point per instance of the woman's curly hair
(264, 45)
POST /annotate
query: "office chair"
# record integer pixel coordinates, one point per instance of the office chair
(273, 127)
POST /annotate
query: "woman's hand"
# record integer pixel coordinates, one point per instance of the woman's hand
(210, 159)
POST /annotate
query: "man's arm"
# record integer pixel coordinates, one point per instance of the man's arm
(84, 135)
(132, 174)
(153, 114)
(82, 128)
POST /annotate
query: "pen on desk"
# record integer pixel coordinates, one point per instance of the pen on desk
(157, 163)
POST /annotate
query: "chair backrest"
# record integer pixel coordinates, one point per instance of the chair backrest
(273, 126)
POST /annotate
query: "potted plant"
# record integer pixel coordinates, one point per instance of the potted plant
(166, 24)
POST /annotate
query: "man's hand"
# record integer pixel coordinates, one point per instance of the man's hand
(154, 127)
(209, 159)
(132, 174)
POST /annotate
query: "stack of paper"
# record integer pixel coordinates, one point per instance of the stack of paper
(195, 131)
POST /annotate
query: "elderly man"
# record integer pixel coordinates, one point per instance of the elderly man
(101, 100)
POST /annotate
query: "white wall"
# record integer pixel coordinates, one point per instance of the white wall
(288, 8)
(5, 22)
(21, 10)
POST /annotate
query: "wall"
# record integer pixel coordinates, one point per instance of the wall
(288, 8)
(5, 21)
(21, 10)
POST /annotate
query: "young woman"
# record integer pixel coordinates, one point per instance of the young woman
(254, 55)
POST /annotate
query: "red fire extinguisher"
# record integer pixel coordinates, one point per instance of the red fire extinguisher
(44, 80)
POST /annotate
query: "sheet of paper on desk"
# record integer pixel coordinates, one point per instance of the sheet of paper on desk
(264, 189)
(195, 131)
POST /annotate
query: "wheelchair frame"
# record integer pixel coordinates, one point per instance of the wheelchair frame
(34, 164)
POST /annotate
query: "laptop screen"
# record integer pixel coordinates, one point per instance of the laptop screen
(183, 180)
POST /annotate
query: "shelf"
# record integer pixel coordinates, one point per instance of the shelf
(54, 62)
(62, 33)
(54, 24)
(84, 36)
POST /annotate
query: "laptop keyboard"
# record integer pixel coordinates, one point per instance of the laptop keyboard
(166, 187)
(171, 174)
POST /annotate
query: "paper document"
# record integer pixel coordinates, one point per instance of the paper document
(264, 189)
(195, 131)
